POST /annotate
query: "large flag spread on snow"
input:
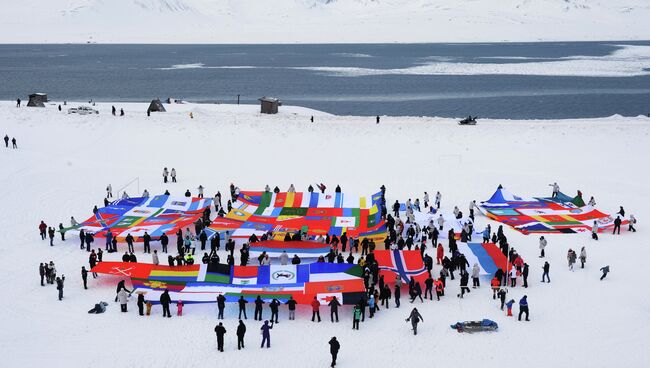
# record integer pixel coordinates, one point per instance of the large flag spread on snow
(487, 255)
(406, 264)
(544, 214)
(311, 213)
(204, 282)
(154, 215)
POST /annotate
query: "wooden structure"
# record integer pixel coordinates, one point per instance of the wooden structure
(269, 105)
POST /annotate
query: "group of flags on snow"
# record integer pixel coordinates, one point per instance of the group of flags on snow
(303, 282)
(154, 215)
(558, 214)
(311, 213)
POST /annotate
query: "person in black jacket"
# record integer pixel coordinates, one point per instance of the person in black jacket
(464, 280)
(147, 242)
(129, 242)
(41, 271)
(258, 308)
(141, 304)
(165, 300)
(617, 224)
(334, 309)
(84, 276)
(59, 286)
(164, 240)
(334, 350)
(203, 237)
(241, 331)
(221, 305)
(220, 331)
(242, 306)
(274, 310)
(292, 307)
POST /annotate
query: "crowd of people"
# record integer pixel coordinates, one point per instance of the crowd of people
(401, 234)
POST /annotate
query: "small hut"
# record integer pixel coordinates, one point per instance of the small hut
(37, 100)
(156, 105)
(269, 105)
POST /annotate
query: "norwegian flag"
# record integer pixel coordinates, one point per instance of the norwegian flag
(405, 263)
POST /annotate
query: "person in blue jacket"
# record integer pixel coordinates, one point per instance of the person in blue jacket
(266, 334)
(523, 307)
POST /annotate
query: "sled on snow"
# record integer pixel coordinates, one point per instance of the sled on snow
(475, 326)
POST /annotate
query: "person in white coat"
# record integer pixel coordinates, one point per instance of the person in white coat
(266, 260)
(145, 194)
(632, 223)
(542, 246)
(456, 211)
(74, 222)
(165, 174)
(441, 221)
(476, 270)
(438, 198)
(556, 189)
(123, 298)
(154, 258)
(583, 257)
(173, 175)
(513, 277)
(284, 258)
(426, 200)
(594, 231)
(200, 189)
(109, 191)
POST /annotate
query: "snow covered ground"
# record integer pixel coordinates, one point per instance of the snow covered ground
(322, 21)
(64, 162)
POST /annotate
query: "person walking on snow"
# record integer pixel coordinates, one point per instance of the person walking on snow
(334, 350)
(13, 142)
(605, 271)
(583, 257)
(6, 141)
(173, 175)
(221, 332)
(571, 258)
(542, 246)
(109, 191)
(415, 317)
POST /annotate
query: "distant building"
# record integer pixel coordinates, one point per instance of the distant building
(37, 100)
(269, 105)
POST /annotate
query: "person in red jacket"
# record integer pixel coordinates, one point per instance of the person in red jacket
(315, 305)
(43, 229)
(440, 253)
(496, 284)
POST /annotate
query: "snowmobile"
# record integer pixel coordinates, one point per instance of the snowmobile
(468, 120)
(475, 326)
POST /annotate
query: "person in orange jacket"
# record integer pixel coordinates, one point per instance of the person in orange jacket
(496, 284)
(315, 305)
(440, 253)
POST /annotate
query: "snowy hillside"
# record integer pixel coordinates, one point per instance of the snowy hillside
(321, 21)
(64, 162)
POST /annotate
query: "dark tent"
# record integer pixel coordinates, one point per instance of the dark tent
(37, 100)
(156, 105)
